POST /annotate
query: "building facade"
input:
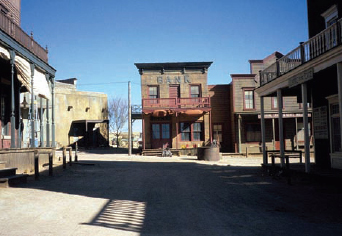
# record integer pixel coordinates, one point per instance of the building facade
(245, 116)
(313, 73)
(175, 105)
(221, 116)
(24, 68)
(82, 116)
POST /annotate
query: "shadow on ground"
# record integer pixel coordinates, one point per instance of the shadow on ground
(186, 198)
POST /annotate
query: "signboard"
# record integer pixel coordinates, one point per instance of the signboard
(173, 79)
(320, 122)
(301, 78)
(285, 115)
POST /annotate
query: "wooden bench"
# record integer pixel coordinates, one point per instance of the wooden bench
(287, 155)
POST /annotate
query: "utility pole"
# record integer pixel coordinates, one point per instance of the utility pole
(129, 120)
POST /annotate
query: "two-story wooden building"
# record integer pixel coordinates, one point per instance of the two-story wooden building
(175, 104)
(245, 113)
(312, 72)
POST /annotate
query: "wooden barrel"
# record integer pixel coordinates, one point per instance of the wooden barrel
(208, 153)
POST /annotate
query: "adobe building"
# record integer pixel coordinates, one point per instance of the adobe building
(82, 116)
(175, 104)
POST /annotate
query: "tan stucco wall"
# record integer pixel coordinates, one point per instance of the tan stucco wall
(67, 95)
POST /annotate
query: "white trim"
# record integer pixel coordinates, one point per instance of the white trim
(330, 14)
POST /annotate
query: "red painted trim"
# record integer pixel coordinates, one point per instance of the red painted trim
(191, 131)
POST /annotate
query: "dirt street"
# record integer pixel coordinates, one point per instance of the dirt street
(113, 194)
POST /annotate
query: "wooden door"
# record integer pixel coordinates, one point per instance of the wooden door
(174, 92)
(161, 135)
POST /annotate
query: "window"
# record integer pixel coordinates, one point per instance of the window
(155, 131)
(195, 91)
(248, 99)
(330, 16)
(253, 132)
(153, 92)
(165, 131)
(274, 103)
(217, 132)
(185, 131)
(335, 127)
(4, 127)
(197, 131)
(191, 131)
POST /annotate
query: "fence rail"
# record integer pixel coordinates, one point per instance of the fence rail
(176, 102)
(314, 47)
(14, 30)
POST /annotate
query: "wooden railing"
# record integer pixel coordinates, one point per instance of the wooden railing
(14, 31)
(314, 47)
(200, 102)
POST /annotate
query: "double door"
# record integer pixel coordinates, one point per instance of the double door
(161, 135)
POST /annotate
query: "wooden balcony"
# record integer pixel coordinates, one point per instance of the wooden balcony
(15, 32)
(316, 46)
(175, 103)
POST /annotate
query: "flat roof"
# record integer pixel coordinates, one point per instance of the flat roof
(173, 65)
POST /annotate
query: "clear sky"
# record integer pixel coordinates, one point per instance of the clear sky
(98, 42)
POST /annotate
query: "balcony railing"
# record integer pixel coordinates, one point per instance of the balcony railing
(14, 30)
(201, 102)
(314, 47)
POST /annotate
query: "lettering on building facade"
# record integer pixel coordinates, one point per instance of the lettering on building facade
(173, 79)
(301, 78)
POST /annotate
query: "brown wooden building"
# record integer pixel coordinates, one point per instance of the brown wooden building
(312, 72)
(245, 117)
(176, 104)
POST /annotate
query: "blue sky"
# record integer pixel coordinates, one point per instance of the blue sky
(98, 42)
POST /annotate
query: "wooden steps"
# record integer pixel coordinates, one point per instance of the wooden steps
(9, 177)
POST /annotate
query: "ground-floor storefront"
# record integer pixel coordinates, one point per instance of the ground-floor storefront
(179, 130)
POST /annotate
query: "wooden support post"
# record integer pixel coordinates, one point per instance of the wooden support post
(76, 157)
(36, 165)
(64, 158)
(246, 152)
(70, 157)
(50, 164)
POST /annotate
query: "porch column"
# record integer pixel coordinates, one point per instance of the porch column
(273, 133)
(32, 107)
(339, 84)
(12, 54)
(263, 133)
(143, 131)
(281, 127)
(47, 116)
(306, 127)
(53, 113)
(20, 123)
(41, 123)
(239, 130)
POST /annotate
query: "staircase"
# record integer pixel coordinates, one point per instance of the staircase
(9, 177)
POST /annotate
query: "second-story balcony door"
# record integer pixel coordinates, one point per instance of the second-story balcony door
(174, 92)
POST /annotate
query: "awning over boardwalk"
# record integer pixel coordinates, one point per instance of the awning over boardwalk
(40, 85)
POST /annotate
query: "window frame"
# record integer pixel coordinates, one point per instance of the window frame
(199, 90)
(191, 131)
(149, 91)
(220, 131)
(244, 90)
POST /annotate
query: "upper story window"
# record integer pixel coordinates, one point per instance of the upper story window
(248, 99)
(195, 91)
(330, 16)
(153, 92)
